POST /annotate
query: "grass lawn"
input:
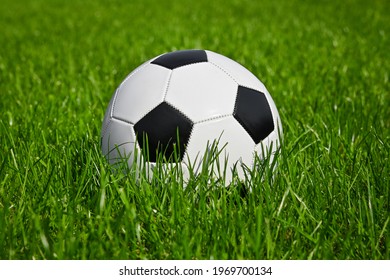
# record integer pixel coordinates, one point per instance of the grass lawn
(327, 66)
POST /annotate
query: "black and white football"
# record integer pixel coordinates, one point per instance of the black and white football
(179, 104)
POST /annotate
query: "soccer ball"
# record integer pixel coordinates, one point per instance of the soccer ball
(181, 105)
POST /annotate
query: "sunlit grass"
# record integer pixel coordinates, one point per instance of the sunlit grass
(326, 65)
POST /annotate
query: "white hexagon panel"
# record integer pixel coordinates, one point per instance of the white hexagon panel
(227, 139)
(118, 141)
(140, 92)
(202, 91)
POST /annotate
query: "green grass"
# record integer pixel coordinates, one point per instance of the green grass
(326, 64)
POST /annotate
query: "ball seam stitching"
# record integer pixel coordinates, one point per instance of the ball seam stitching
(214, 118)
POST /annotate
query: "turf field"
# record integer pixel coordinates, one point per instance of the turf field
(327, 66)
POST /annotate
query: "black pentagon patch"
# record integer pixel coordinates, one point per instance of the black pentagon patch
(253, 112)
(177, 59)
(163, 131)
